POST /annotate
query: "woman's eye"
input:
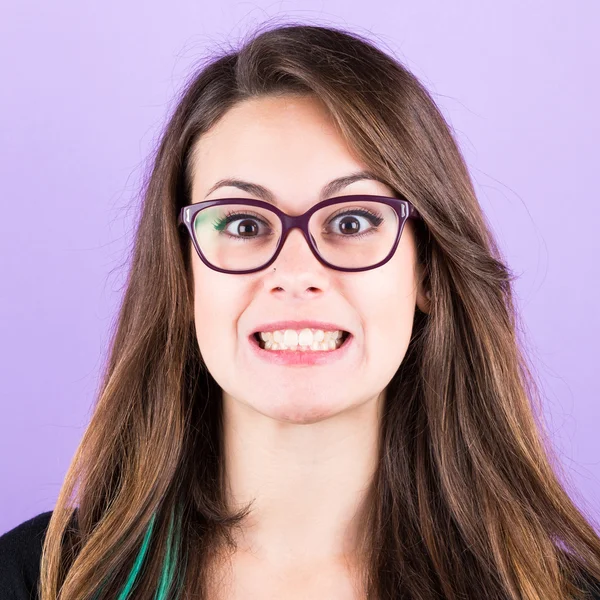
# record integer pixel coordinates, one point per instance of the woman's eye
(243, 227)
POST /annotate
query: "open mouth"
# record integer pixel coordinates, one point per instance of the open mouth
(338, 344)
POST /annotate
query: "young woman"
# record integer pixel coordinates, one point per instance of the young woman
(315, 388)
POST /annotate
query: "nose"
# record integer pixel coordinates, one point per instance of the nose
(295, 250)
(296, 270)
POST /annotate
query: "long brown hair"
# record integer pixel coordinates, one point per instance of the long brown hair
(466, 501)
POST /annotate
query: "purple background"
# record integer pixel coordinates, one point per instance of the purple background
(85, 92)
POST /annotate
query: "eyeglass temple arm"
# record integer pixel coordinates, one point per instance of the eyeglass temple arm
(413, 212)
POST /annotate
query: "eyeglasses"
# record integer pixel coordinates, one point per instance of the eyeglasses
(346, 233)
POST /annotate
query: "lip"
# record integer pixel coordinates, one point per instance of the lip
(299, 357)
(281, 325)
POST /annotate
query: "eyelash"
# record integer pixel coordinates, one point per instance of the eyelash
(221, 223)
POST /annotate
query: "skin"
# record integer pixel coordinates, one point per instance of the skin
(302, 441)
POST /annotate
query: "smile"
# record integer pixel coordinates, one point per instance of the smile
(302, 357)
(307, 341)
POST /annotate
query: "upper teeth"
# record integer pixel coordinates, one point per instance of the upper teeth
(302, 337)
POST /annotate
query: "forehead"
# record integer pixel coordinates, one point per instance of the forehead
(290, 145)
(269, 121)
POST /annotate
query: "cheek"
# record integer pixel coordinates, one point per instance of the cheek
(217, 307)
(386, 302)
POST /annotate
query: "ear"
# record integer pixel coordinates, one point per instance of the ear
(423, 291)
(423, 301)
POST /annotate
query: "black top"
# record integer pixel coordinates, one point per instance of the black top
(20, 553)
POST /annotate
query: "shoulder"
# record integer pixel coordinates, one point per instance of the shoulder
(20, 554)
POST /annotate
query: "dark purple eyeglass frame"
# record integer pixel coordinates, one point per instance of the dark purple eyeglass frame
(404, 209)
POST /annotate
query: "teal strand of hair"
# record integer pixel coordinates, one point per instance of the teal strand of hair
(170, 562)
(138, 562)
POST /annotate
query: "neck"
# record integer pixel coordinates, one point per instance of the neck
(310, 483)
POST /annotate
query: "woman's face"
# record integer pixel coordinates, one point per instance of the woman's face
(291, 146)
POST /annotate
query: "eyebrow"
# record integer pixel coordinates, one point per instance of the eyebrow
(265, 194)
